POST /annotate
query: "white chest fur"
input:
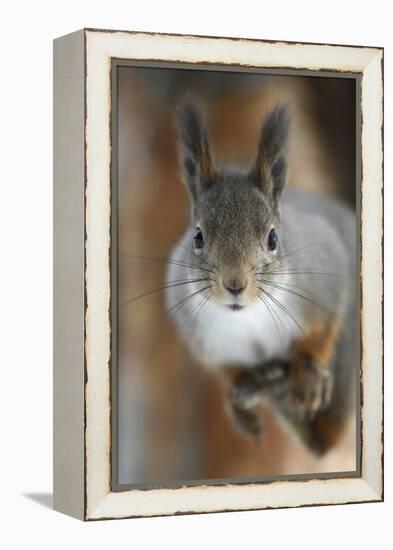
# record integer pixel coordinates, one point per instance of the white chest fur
(246, 337)
(219, 336)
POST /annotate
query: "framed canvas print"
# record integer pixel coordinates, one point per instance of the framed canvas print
(218, 274)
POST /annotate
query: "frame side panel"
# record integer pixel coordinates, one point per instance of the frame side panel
(68, 242)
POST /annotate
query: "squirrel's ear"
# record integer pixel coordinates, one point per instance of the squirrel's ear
(270, 169)
(196, 158)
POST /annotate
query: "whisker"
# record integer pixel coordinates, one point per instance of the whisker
(163, 287)
(291, 253)
(197, 311)
(183, 246)
(301, 273)
(261, 279)
(184, 301)
(191, 251)
(283, 308)
(177, 305)
(310, 300)
(300, 249)
(271, 314)
(287, 327)
(171, 262)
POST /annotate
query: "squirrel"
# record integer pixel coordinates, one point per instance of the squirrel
(262, 287)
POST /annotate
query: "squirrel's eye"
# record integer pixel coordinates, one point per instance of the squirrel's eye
(199, 243)
(272, 240)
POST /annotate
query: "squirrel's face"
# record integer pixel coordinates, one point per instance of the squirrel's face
(236, 234)
(235, 214)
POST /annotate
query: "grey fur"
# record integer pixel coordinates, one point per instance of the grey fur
(270, 169)
(316, 256)
(196, 156)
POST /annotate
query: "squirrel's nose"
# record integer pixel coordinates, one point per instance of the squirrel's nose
(235, 285)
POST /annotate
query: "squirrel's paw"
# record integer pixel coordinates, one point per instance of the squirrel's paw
(251, 384)
(248, 422)
(247, 391)
(244, 398)
(310, 386)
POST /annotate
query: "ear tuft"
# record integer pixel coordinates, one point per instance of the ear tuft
(196, 157)
(270, 168)
(274, 137)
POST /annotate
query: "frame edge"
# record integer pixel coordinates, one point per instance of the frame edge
(369, 487)
(68, 289)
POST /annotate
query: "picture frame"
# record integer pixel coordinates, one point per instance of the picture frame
(84, 284)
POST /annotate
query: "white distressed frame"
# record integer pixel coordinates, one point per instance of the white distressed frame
(100, 47)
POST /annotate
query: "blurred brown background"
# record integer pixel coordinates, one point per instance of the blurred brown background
(171, 419)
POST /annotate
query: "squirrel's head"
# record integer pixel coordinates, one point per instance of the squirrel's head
(235, 213)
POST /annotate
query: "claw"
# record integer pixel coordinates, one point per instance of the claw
(311, 387)
(248, 389)
(248, 422)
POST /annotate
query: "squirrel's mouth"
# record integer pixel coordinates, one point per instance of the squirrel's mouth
(236, 307)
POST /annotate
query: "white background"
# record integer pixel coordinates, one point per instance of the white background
(27, 29)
